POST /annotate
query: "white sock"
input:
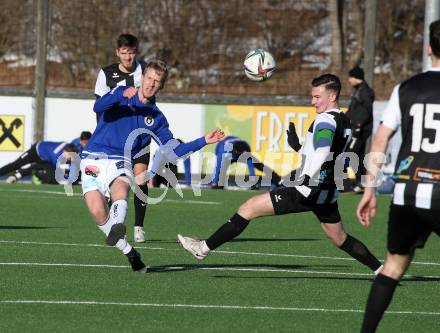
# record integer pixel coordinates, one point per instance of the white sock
(118, 211)
(117, 214)
(105, 228)
(123, 245)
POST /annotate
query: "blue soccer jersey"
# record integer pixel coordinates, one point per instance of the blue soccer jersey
(49, 151)
(77, 143)
(226, 147)
(130, 121)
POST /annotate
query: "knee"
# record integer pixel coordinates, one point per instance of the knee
(336, 235)
(246, 210)
(395, 265)
(394, 272)
(99, 215)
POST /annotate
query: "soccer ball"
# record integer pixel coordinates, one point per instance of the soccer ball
(259, 65)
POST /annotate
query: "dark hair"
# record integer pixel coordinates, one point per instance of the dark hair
(330, 81)
(239, 147)
(357, 73)
(70, 148)
(85, 135)
(160, 67)
(434, 38)
(127, 40)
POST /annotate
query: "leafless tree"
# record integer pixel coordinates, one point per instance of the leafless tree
(335, 8)
(205, 41)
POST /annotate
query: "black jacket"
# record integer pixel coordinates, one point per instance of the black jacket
(360, 111)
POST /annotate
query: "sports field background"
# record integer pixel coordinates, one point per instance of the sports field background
(280, 275)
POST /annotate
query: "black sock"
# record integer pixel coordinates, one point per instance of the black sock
(227, 231)
(380, 296)
(359, 251)
(140, 207)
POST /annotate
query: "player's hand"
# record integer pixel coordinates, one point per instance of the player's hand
(292, 138)
(366, 208)
(130, 92)
(214, 136)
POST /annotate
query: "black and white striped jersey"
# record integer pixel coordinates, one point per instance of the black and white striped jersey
(111, 76)
(328, 136)
(415, 106)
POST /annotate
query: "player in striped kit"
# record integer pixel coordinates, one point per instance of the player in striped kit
(414, 106)
(316, 190)
(126, 72)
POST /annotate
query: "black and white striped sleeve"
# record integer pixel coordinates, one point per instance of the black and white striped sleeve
(101, 87)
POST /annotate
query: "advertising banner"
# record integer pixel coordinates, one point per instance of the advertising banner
(264, 128)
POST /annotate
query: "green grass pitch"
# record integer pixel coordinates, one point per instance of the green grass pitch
(280, 275)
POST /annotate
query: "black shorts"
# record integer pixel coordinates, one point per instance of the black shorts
(288, 200)
(409, 228)
(144, 159)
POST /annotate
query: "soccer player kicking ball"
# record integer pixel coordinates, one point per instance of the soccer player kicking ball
(127, 72)
(105, 167)
(329, 133)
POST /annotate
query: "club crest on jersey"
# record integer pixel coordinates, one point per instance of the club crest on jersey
(92, 170)
(115, 211)
(149, 121)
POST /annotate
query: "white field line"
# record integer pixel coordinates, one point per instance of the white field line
(201, 268)
(175, 268)
(38, 191)
(191, 202)
(59, 265)
(263, 254)
(208, 306)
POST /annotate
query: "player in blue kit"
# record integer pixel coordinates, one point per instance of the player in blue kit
(228, 151)
(42, 158)
(127, 72)
(128, 115)
(81, 141)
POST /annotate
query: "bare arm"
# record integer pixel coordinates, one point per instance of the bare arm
(366, 208)
(214, 136)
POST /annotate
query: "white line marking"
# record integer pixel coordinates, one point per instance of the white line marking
(196, 202)
(283, 271)
(208, 306)
(188, 268)
(216, 251)
(201, 268)
(193, 202)
(55, 264)
(77, 244)
(39, 191)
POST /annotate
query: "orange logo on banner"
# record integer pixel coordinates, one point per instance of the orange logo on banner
(11, 133)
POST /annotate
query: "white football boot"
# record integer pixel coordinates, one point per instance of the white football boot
(193, 246)
(139, 235)
(11, 180)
